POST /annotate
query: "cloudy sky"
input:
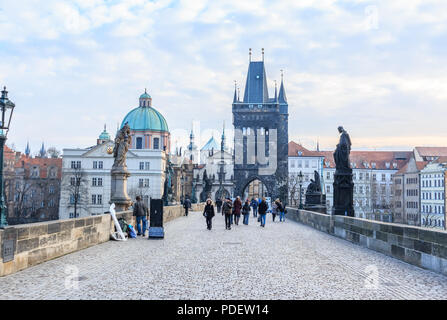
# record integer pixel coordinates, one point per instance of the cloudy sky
(379, 68)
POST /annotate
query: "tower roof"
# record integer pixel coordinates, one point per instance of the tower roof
(211, 144)
(256, 85)
(104, 135)
(282, 92)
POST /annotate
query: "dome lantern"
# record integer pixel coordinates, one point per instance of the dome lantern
(145, 99)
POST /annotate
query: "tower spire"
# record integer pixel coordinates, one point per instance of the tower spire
(262, 54)
(282, 92)
(249, 54)
(27, 149)
(235, 99)
(276, 92)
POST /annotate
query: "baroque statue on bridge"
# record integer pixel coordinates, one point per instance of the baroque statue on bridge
(315, 185)
(123, 141)
(341, 154)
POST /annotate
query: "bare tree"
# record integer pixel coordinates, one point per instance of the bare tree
(139, 190)
(76, 183)
(53, 152)
(294, 190)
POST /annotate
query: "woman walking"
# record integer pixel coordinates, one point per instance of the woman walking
(262, 210)
(281, 211)
(208, 213)
(237, 207)
(246, 211)
(275, 210)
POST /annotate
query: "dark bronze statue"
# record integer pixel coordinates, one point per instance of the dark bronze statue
(315, 184)
(123, 141)
(341, 154)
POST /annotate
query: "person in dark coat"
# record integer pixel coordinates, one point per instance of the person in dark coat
(227, 210)
(140, 211)
(263, 207)
(208, 213)
(246, 211)
(219, 203)
(254, 204)
(187, 205)
(237, 207)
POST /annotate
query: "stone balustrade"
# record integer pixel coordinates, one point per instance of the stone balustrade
(31, 244)
(422, 247)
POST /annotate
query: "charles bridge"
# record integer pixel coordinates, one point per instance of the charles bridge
(310, 256)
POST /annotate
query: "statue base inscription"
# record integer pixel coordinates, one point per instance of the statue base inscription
(315, 202)
(343, 194)
(119, 194)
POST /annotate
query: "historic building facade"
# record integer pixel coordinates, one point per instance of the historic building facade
(433, 194)
(261, 135)
(86, 180)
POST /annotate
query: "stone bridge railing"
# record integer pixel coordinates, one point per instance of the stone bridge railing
(26, 245)
(418, 246)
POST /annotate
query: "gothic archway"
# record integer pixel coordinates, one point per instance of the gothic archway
(255, 188)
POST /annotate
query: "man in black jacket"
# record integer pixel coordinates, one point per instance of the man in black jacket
(140, 211)
(186, 205)
(226, 209)
(263, 207)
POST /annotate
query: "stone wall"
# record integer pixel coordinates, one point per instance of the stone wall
(422, 247)
(38, 242)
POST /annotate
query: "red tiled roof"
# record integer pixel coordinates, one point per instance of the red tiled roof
(295, 147)
(432, 151)
(361, 159)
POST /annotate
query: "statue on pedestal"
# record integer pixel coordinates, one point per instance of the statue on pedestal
(315, 199)
(343, 184)
(119, 173)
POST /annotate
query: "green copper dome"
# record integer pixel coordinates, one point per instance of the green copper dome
(145, 119)
(104, 135)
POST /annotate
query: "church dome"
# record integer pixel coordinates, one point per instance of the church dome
(145, 119)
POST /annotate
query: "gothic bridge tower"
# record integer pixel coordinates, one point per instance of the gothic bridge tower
(260, 137)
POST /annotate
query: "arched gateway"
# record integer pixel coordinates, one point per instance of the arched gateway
(260, 135)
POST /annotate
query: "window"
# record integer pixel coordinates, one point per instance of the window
(146, 182)
(141, 165)
(360, 176)
(306, 164)
(374, 177)
(300, 164)
(328, 189)
(76, 164)
(100, 164)
(72, 199)
(383, 177)
(314, 164)
(140, 183)
(95, 164)
(51, 189)
(99, 198)
(328, 176)
(156, 143)
(147, 166)
(94, 182)
(72, 181)
(292, 163)
(139, 143)
(99, 182)
(93, 198)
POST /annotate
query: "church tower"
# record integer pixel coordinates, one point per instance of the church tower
(261, 135)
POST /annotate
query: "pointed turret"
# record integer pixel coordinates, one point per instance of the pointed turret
(276, 93)
(235, 98)
(222, 141)
(256, 85)
(282, 92)
(27, 149)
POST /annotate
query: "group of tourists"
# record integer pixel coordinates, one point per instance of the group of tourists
(232, 211)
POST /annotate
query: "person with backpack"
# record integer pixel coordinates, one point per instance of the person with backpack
(140, 211)
(219, 203)
(246, 211)
(186, 205)
(262, 210)
(208, 213)
(227, 210)
(254, 204)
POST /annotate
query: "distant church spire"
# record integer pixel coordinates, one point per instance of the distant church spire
(276, 92)
(222, 143)
(27, 149)
(318, 145)
(42, 151)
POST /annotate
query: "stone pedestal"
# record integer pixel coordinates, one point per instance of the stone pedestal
(315, 202)
(119, 194)
(343, 194)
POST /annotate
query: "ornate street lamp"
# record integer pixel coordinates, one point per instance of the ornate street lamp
(7, 108)
(300, 181)
(182, 181)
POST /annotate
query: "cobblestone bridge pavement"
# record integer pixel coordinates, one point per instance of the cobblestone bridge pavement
(283, 261)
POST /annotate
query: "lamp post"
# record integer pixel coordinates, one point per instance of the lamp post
(7, 108)
(300, 180)
(182, 181)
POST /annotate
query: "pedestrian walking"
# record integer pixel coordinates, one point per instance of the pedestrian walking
(254, 204)
(186, 205)
(237, 207)
(282, 210)
(262, 210)
(226, 209)
(219, 203)
(246, 211)
(208, 213)
(140, 211)
(275, 211)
